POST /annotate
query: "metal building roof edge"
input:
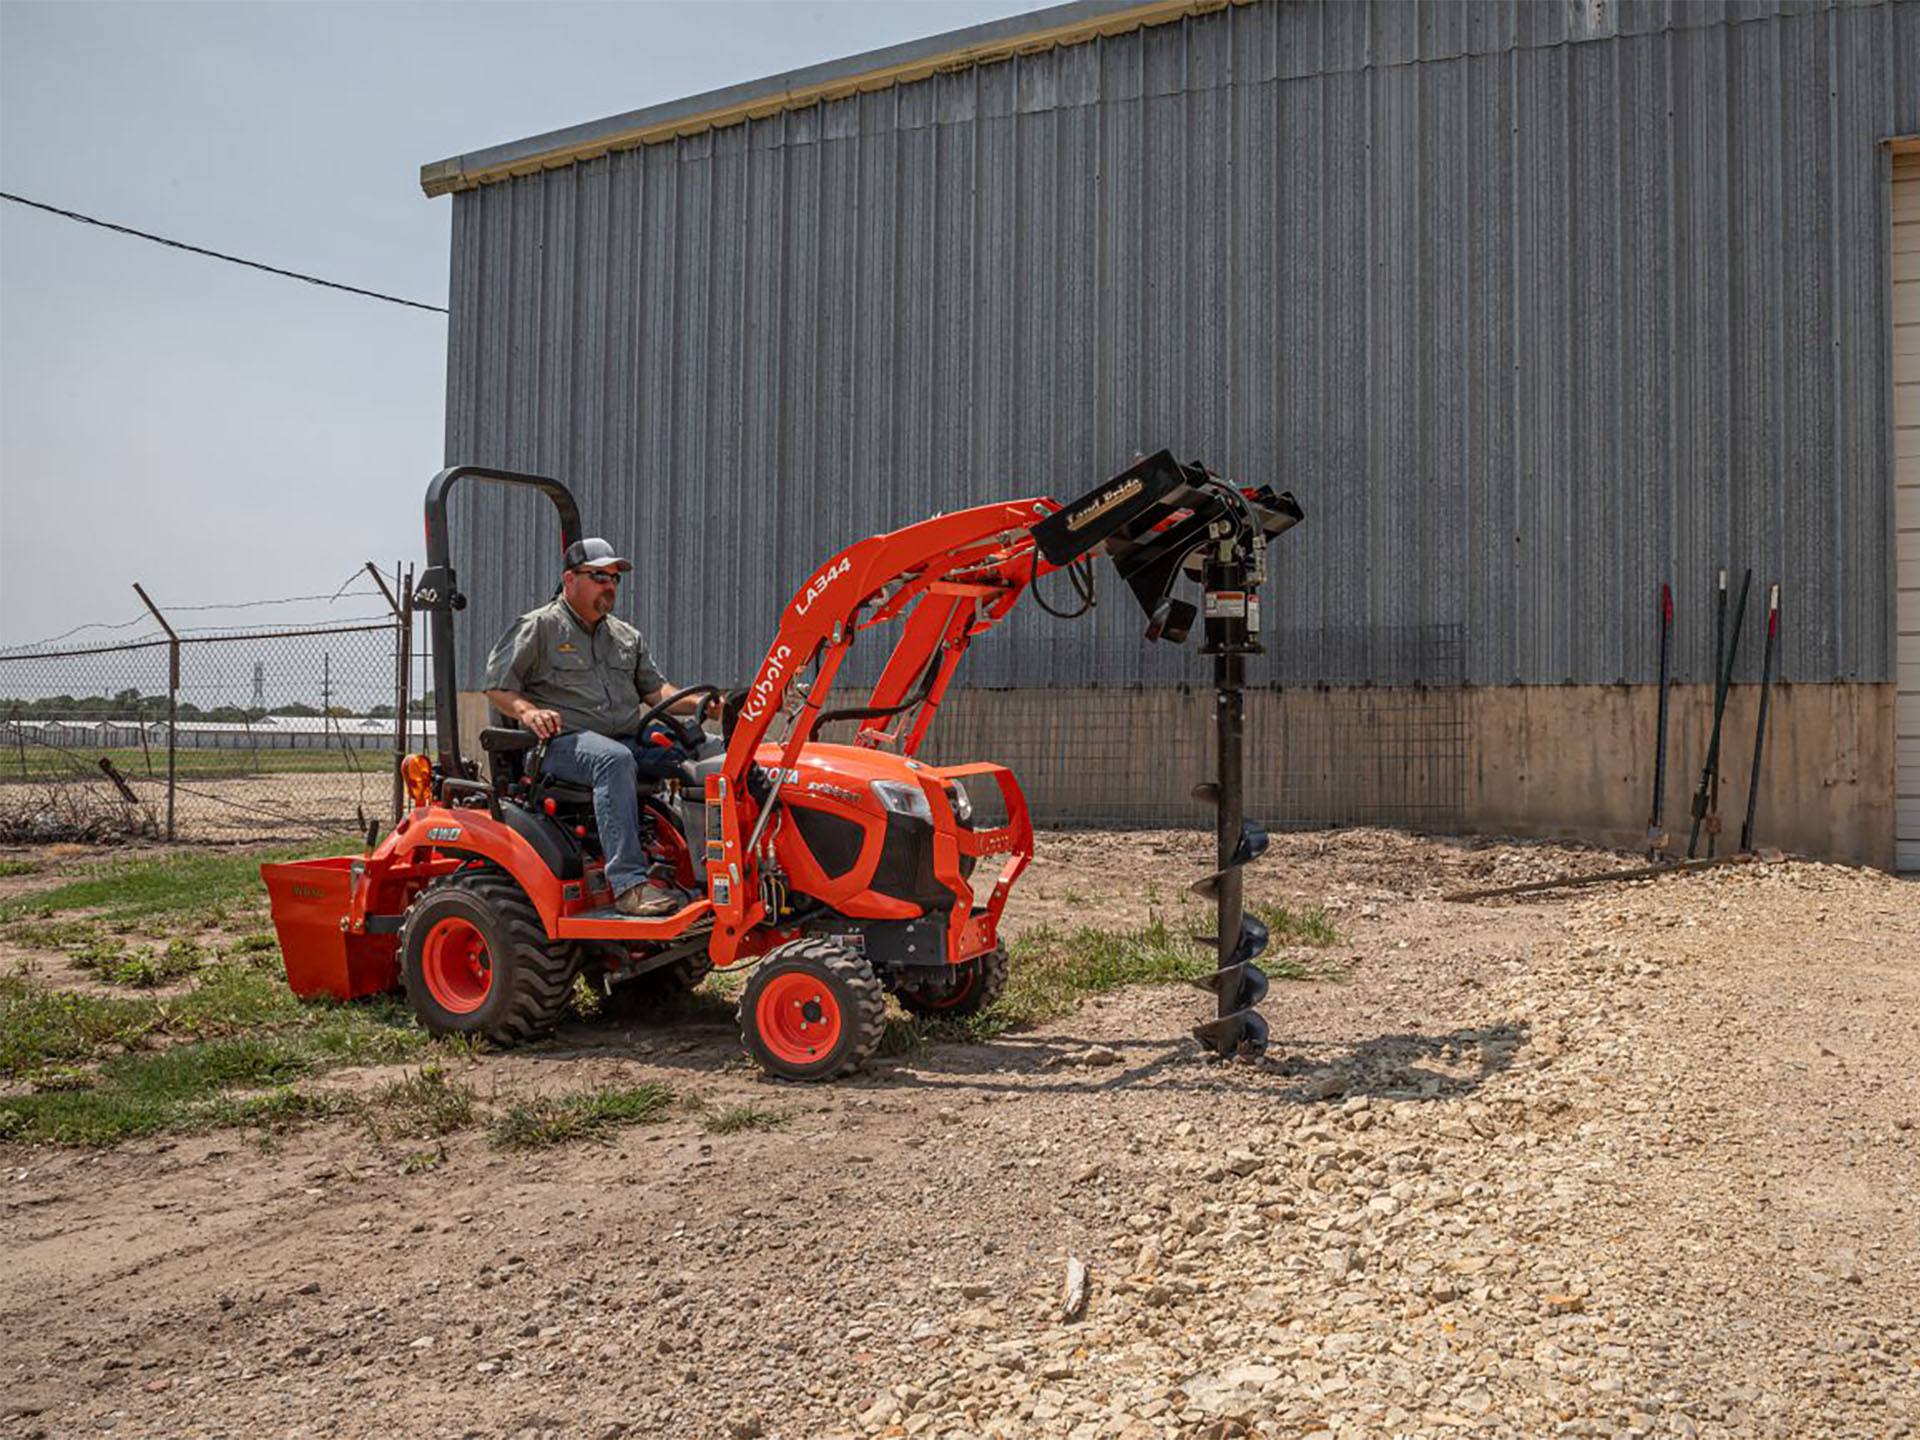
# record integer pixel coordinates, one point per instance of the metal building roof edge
(1069, 24)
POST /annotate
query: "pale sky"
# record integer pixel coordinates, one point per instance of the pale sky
(220, 434)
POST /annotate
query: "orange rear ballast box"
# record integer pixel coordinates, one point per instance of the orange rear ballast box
(309, 900)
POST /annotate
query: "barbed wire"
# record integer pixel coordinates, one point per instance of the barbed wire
(30, 647)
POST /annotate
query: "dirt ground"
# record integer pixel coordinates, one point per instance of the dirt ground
(1621, 1161)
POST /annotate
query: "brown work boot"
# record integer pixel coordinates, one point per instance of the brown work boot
(648, 899)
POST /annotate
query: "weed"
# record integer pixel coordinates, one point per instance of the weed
(420, 1161)
(423, 1105)
(260, 942)
(10, 868)
(460, 1047)
(537, 1124)
(736, 1118)
(281, 1108)
(49, 1078)
(142, 969)
(588, 1002)
(53, 934)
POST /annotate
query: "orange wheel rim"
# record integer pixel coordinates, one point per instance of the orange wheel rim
(455, 964)
(798, 1018)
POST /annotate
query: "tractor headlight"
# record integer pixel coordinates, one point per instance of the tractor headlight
(903, 798)
(961, 801)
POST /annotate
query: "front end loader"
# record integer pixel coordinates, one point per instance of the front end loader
(838, 871)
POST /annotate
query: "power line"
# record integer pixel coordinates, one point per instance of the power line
(217, 255)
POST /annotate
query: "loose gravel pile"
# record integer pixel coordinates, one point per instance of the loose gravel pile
(1618, 1162)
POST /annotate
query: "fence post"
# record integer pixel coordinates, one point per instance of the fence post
(403, 627)
(173, 695)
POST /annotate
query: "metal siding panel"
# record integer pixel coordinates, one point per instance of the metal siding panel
(1754, 279)
(1700, 342)
(1346, 400)
(1440, 477)
(1639, 412)
(1530, 325)
(1485, 175)
(1596, 211)
(1397, 479)
(1542, 341)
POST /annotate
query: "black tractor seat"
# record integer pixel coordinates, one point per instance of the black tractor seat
(513, 761)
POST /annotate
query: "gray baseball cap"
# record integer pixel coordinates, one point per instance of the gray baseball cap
(594, 552)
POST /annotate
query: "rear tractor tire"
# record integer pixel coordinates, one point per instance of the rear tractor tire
(813, 1010)
(974, 985)
(476, 961)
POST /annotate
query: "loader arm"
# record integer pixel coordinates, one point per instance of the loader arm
(950, 580)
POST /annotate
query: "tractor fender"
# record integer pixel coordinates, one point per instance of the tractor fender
(548, 838)
(474, 834)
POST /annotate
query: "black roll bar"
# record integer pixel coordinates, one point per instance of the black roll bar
(439, 594)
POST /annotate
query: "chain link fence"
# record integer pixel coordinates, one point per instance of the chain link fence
(264, 732)
(235, 733)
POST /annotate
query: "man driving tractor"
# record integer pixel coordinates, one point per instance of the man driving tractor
(579, 677)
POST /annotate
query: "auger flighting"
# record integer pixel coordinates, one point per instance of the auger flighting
(1230, 576)
(1161, 521)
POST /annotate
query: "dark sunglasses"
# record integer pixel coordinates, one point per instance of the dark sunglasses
(605, 577)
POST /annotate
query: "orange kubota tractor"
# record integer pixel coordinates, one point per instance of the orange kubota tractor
(841, 872)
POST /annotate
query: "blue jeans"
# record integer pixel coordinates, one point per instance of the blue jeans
(613, 768)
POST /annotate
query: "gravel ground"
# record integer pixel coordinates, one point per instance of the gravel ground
(1625, 1161)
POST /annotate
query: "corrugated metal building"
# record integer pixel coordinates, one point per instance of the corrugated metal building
(1534, 305)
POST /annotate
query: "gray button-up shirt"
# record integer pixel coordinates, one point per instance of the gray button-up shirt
(595, 678)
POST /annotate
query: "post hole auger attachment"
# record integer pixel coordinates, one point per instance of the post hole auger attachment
(1162, 522)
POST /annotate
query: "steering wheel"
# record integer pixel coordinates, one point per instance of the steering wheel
(688, 732)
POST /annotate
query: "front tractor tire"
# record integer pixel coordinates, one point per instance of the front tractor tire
(476, 961)
(972, 986)
(813, 1010)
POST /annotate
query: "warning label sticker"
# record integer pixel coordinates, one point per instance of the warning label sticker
(1226, 604)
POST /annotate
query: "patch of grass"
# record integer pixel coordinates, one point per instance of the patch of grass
(181, 1089)
(198, 884)
(10, 868)
(41, 1026)
(244, 1080)
(737, 1118)
(192, 765)
(538, 1124)
(423, 1105)
(1052, 969)
(1296, 927)
(198, 1072)
(260, 942)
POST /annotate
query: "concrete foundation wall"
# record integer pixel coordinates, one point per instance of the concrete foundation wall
(1567, 761)
(1576, 761)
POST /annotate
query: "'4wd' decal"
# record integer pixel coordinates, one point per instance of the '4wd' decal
(444, 832)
